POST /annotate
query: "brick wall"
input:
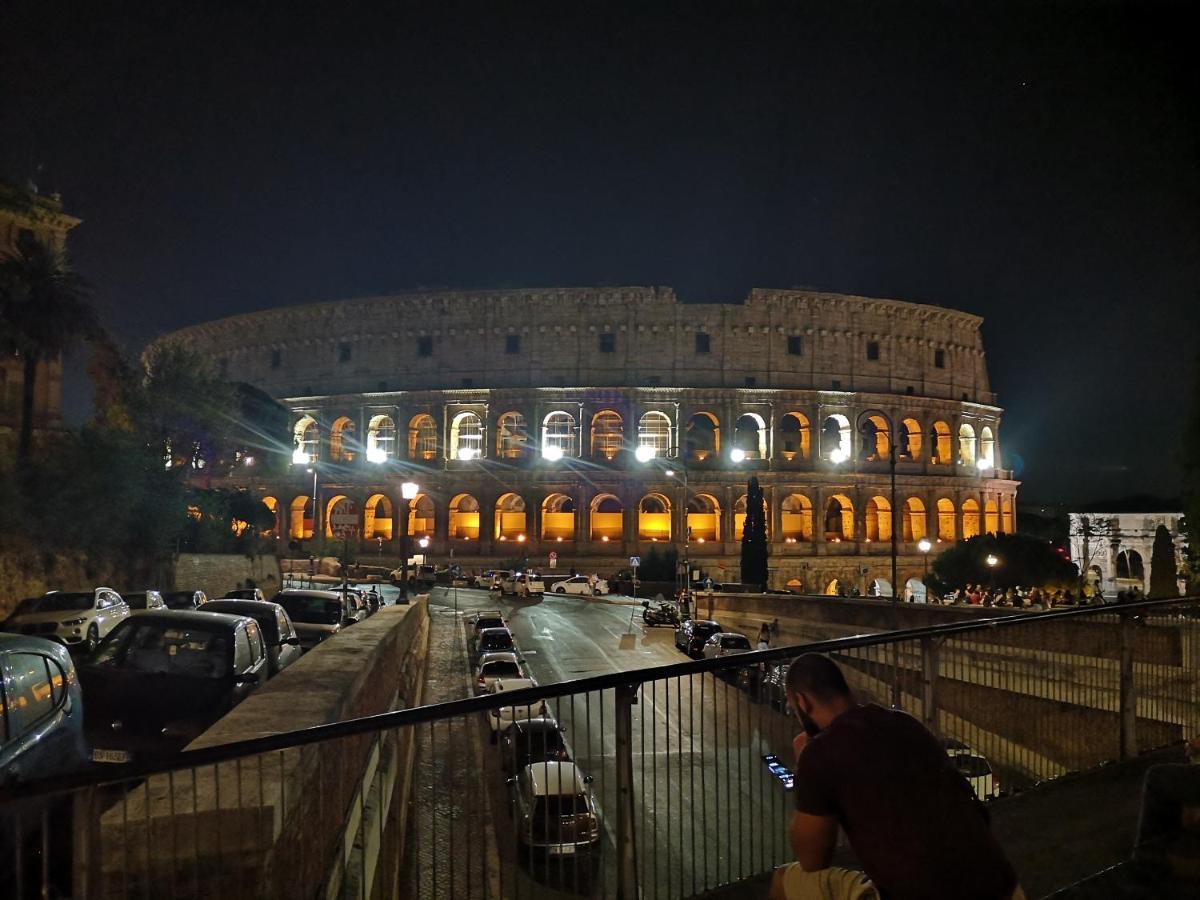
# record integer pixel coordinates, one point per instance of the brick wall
(218, 573)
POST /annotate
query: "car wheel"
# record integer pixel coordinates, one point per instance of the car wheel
(560, 590)
(93, 637)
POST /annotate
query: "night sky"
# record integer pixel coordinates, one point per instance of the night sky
(1032, 163)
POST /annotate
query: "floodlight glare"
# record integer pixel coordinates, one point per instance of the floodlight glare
(409, 490)
(376, 455)
(924, 546)
(737, 454)
(300, 458)
(838, 456)
(552, 452)
(644, 453)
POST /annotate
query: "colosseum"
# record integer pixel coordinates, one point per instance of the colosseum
(601, 423)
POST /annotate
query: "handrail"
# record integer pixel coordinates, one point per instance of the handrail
(418, 715)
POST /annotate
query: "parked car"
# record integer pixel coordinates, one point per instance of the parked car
(283, 644)
(316, 615)
(144, 600)
(424, 576)
(972, 765)
(494, 640)
(553, 809)
(246, 594)
(523, 584)
(356, 604)
(528, 741)
(579, 584)
(772, 687)
(499, 719)
(76, 618)
(41, 735)
(494, 666)
(160, 679)
(490, 580)
(693, 634)
(726, 643)
(184, 599)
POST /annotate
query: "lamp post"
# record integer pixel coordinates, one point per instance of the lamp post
(408, 492)
(313, 470)
(992, 561)
(925, 546)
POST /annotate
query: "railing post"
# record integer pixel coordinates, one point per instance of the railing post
(1128, 748)
(627, 882)
(929, 682)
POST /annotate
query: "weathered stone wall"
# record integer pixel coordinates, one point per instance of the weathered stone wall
(218, 573)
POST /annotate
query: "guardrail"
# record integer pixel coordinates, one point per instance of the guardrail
(678, 798)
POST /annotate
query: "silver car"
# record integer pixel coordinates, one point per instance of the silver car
(74, 618)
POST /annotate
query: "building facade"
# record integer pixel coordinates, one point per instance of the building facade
(1113, 550)
(599, 424)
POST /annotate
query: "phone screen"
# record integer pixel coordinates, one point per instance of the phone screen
(780, 771)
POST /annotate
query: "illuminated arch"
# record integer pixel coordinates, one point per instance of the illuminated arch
(908, 439)
(704, 518)
(654, 518)
(915, 522)
(796, 514)
(558, 433)
(835, 438)
(307, 438)
(464, 518)
(331, 505)
(702, 437)
(421, 516)
(607, 515)
(381, 439)
(300, 525)
(422, 438)
(987, 448)
(795, 436)
(608, 433)
(966, 444)
(1006, 515)
(273, 505)
(875, 433)
(947, 530)
(940, 452)
(739, 517)
(341, 440)
(466, 436)
(839, 518)
(750, 435)
(991, 516)
(558, 518)
(377, 518)
(879, 519)
(654, 431)
(512, 436)
(970, 516)
(510, 518)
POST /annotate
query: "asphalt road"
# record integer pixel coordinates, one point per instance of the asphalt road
(706, 811)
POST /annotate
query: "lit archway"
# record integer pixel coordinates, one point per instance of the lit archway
(377, 518)
(466, 436)
(558, 518)
(510, 518)
(341, 440)
(307, 438)
(914, 590)
(987, 448)
(558, 434)
(512, 435)
(945, 515)
(338, 503)
(914, 519)
(970, 516)
(940, 453)
(876, 437)
(839, 518)
(422, 438)
(835, 438)
(1130, 566)
(300, 525)
(381, 439)
(879, 519)
(654, 518)
(796, 514)
(704, 518)
(273, 505)
(750, 435)
(1006, 515)
(607, 515)
(795, 436)
(833, 589)
(703, 437)
(421, 516)
(608, 433)
(464, 518)
(654, 433)
(966, 444)
(991, 516)
(908, 439)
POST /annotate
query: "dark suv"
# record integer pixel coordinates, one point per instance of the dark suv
(692, 634)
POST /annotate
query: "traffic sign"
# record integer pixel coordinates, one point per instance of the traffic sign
(343, 519)
(635, 561)
(553, 560)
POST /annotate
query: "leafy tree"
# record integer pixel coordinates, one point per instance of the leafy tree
(1163, 569)
(658, 566)
(44, 311)
(1023, 560)
(754, 537)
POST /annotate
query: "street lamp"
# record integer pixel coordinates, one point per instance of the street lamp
(552, 453)
(313, 471)
(992, 562)
(408, 493)
(300, 458)
(737, 455)
(644, 453)
(925, 546)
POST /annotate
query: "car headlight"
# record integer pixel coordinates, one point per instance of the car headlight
(70, 622)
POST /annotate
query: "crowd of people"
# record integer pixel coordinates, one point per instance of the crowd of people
(1034, 598)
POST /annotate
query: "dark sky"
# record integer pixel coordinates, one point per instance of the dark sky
(1032, 163)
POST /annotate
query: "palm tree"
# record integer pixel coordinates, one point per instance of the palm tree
(44, 311)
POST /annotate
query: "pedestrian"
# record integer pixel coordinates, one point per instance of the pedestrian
(775, 627)
(764, 637)
(594, 584)
(883, 778)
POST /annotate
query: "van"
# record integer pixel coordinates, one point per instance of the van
(523, 584)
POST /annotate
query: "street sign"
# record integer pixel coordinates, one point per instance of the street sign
(343, 519)
(553, 560)
(635, 561)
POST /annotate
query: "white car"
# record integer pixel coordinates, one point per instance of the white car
(496, 666)
(726, 643)
(974, 767)
(75, 618)
(523, 584)
(501, 718)
(579, 584)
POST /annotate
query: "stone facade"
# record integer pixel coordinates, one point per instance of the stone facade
(1114, 549)
(584, 421)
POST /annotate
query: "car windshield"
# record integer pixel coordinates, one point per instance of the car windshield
(973, 766)
(707, 629)
(501, 668)
(136, 600)
(180, 599)
(735, 643)
(166, 648)
(499, 640)
(244, 594)
(264, 616)
(312, 610)
(555, 806)
(488, 622)
(56, 603)
(542, 744)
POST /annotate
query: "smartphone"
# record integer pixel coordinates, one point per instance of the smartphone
(780, 771)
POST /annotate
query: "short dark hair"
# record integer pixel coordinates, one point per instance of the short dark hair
(817, 676)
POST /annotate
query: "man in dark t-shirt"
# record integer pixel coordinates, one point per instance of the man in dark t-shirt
(911, 817)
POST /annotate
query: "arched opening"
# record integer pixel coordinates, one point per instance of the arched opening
(273, 505)
(510, 518)
(835, 438)
(466, 436)
(377, 518)
(421, 516)
(307, 437)
(879, 519)
(987, 448)
(1129, 566)
(341, 440)
(1006, 515)
(558, 435)
(991, 516)
(704, 518)
(422, 438)
(607, 516)
(703, 437)
(335, 505)
(914, 519)
(300, 526)
(558, 518)
(381, 439)
(908, 440)
(608, 433)
(750, 436)
(939, 444)
(879, 587)
(796, 515)
(914, 591)
(970, 514)
(795, 436)
(654, 518)
(512, 436)
(966, 444)
(876, 438)
(654, 432)
(839, 519)
(464, 518)
(945, 514)
(833, 589)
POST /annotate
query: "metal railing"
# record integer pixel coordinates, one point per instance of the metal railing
(677, 798)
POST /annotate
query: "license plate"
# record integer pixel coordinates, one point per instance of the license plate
(562, 850)
(110, 756)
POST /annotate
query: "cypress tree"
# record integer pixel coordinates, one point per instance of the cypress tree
(1163, 570)
(754, 537)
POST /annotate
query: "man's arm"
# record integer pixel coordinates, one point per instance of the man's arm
(813, 840)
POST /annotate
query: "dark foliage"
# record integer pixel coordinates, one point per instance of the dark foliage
(1023, 560)
(754, 537)
(1163, 569)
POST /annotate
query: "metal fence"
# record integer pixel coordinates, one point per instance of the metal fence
(674, 798)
